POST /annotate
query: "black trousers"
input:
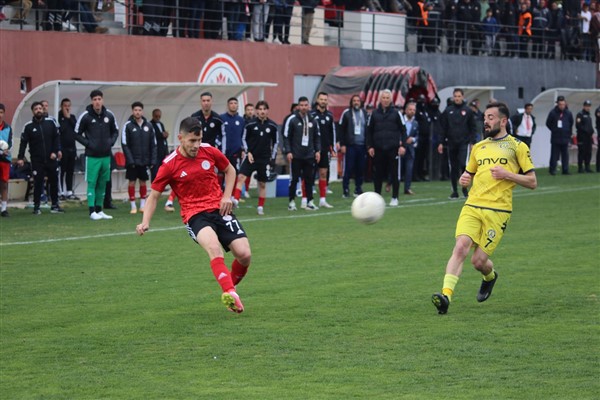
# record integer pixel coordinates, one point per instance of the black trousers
(385, 163)
(457, 156)
(302, 169)
(67, 168)
(40, 171)
(584, 154)
(559, 151)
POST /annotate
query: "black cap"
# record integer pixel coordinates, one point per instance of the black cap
(587, 103)
(190, 124)
(560, 98)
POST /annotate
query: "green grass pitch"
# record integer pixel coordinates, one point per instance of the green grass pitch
(334, 309)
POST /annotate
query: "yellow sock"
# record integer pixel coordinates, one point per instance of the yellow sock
(450, 282)
(490, 276)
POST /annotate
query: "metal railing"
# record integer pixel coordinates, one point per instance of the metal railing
(240, 20)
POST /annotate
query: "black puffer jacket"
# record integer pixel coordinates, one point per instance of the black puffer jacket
(97, 132)
(386, 129)
(139, 142)
(43, 139)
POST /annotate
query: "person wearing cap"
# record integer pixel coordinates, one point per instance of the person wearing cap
(206, 210)
(585, 135)
(560, 123)
(524, 125)
(6, 134)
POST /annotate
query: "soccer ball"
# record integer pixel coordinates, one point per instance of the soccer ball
(3, 145)
(368, 208)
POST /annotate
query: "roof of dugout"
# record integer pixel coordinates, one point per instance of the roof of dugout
(176, 100)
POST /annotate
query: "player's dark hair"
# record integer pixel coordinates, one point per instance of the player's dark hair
(190, 125)
(293, 107)
(458, 90)
(502, 109)
(137, 104)
(302, 98)
(209, 94)
(528, 105)
(35, 104)
(63, 101)
(352, 99)
(96, 93)
(262, 103)
(248, 105)
(322, 94)
(232, 99)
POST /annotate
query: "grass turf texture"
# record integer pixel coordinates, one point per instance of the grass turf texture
(334, 309)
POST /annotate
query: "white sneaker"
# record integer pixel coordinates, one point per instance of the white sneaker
(303, 203)
(95, 216)
(68, 26)
(394, 202)
(235, 202)
(311, 206)
(292, 206)
(324, 204)
(247, 195)
(260, 210)
(104, 216)
(329, 191)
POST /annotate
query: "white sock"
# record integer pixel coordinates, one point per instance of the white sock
(142, 203)
(4, 205)
(132, 204)
(169, 204)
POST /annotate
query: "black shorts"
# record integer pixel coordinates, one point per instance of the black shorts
(136, 172)
(227, 227)
(324, 160)
(260, 167)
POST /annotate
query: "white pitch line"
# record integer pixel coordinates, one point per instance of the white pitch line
(309, 214)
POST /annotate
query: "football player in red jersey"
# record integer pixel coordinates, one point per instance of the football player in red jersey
(205, 208)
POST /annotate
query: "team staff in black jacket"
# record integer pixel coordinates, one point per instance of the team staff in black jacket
(458, 132)
(386, 143)
(67, 122)
(353, 125)
(139, 146)
(560, 123)
(213, 131)
(585, 135)
(162, 146)
(324, 119)
(97, 130)
(42, 136)
(259, 143)
(302, 146)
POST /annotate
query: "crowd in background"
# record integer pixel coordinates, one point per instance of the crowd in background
(508, 28)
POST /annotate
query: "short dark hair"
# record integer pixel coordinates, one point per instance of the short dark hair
(96, 93)
(458, 90)
(209, 94)
(248, 105)
(189, 125)
(302, 98)
(560, 98)
(232, 99)
(502, 108)
(2, 107)
(322, 94)
(35, 104)
(63, 101)
(137, 104)
(528, 105)
(293, 107)
(262, 103)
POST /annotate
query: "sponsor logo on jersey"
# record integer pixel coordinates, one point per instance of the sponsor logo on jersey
(492, 161)
(183, 174)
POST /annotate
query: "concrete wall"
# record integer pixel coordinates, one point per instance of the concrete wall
(449, 70)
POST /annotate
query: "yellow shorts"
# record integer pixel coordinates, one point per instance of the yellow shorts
(485, 227)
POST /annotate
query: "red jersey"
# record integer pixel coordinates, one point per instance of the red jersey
(193, 180)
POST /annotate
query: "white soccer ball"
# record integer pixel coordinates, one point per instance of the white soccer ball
(368, 208)
(3, 145)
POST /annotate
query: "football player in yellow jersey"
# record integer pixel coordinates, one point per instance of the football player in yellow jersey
(496, 165)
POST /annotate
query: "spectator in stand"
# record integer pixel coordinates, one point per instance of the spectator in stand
(97, 131)
(524, 30)
(386, 143)
(585, 137)
(467, 16)
(190, 18)
(324, 118)
(541, 21)
(308, 14)
(260, 14)
(555, 29)
(524, 125)
(42, 136)
(22, 7)
(449, 18)
(353, 124)
(153, 17)
(260, 142)
(67, 122)
(138, 142)
(412, 141)
(302, 147)
(560, 123)
(490, 29)
(283, 16)
(213, 19)
(162, 145)
(6, 134)
(586, 39)
(233, 127)
(458, 133)
(87, 19)
(509, 28)
(233, 13)
(425, 39)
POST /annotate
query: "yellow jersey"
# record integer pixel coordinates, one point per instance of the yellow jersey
(507, 152)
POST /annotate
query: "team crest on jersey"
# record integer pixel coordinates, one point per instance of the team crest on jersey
(491, 234)
(237, 122)
(310, 124)
(268, 130)
(463, 113)
(212, 124)
(227, 217)
(145, 129)
(205, 165)
(106, 119)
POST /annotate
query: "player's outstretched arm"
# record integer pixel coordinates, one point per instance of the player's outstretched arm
(528, 180)
(149, 209)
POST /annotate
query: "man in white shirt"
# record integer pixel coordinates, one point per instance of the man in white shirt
(586, 17)
(524, 125)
